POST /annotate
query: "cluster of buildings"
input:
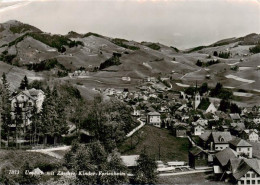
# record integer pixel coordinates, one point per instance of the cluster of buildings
(221, 140)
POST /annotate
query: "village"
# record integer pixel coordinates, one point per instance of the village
(224, 142)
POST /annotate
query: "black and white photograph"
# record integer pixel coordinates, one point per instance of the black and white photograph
(135, 92)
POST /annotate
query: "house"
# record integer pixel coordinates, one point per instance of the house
(242, 147)
(220, 140)
(197, 158)
(237, 128)
(180, 129)
(200, 121)
(130, 160)
(250, 135)
(247, 172)
(235, 117)
(222, 158)
(198, 130)
(154, 118)
(27, 100)
(215, 141)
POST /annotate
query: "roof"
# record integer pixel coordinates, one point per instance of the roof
(205, 135)
(130, 160)
(239, 142)
(249, 131)
(225, 155)
(154, 114)
(195, 151)
(256, 149)
(246, 165)
(221, 137)
(234, 163)
(31, 93)
(234, 116)
(238, 126)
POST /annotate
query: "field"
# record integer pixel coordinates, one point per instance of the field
(191, 179)
(154, 140)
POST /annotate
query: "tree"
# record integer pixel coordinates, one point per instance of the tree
(204, 88)
(94, 158)
(18, 120)
(224, 105)
(5, 107)
(215, 53)
(145, 171)
(234, 108)
(24, 83)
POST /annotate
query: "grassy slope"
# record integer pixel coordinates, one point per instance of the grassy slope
(150, 137)
(15, 159)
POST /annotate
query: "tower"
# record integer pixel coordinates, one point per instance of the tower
(197, 100)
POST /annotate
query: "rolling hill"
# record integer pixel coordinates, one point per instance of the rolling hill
(24, 48)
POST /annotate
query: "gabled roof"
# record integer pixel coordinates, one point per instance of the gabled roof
(234, 116)
(246, 165)
(238, 126)
(221, 137)
(195, 151)
(154, 114)
(234, 163)
(225, 155)
(249, 131)
(205, 135)
(239, 142)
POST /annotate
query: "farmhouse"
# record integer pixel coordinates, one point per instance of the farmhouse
(197, 158)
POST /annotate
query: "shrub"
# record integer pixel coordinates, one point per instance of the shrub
(114, 60)
(224, 55)
(154, 46)
(120, 42)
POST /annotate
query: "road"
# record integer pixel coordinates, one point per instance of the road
(136, 129)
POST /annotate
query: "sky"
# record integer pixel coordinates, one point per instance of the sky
(180, 23)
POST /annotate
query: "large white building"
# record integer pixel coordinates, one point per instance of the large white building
(27, 100)
(154, 118)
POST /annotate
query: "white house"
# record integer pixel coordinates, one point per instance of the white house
(27, 100)
(154, 118)
(241, 147)
(198, 130)
(251, 135)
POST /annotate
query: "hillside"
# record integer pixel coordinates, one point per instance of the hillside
(24, 48)
(153, 140)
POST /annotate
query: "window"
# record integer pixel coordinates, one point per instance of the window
(242, 182)
(253, 181)
(248, 175)
(239, 149)
(248, 149)
(253, 175)
(258, 182)
(248, 181)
